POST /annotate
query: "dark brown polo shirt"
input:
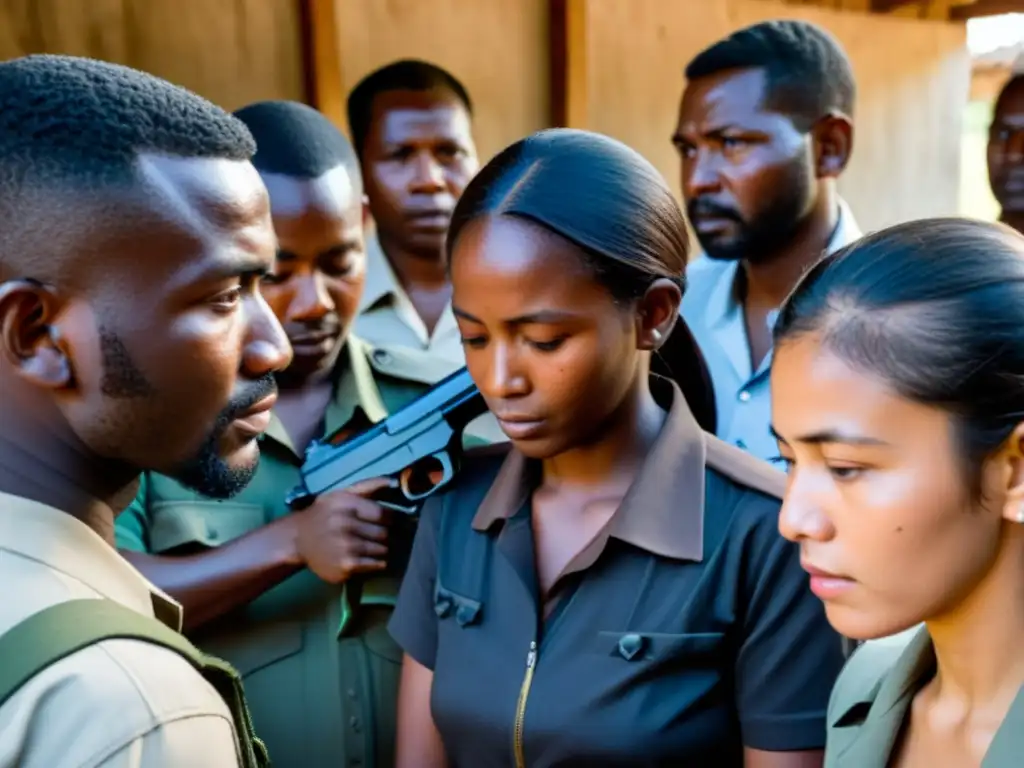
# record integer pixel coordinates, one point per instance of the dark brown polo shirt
(684, 632)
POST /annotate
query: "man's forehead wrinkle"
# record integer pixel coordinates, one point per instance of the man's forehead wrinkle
(213, 201)
(170, 195)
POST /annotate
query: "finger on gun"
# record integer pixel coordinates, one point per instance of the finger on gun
(369, 564)
(369, 512)
(366, 488)
(370, 531)
(370, 549)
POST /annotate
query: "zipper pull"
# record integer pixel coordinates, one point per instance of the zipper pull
(531, 657)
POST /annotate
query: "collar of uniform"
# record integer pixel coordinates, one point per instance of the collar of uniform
(880, 711)
(899, 681)
(355, 389)
(381, 282)
(67, 545)
(663, 511)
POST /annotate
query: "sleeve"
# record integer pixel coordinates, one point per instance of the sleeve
(789, 656)
(413, 624)
(119, 704)
(198, 742)
(131, 527)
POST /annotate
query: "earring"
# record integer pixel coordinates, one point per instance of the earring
(656, 334)
(1020, 514)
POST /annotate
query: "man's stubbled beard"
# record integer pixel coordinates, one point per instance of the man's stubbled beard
(206, 472)
(768, 231)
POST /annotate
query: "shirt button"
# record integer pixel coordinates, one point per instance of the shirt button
(354, 722)
(744, 396)
(352, 693)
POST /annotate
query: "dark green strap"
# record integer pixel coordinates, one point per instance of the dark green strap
(60, 630)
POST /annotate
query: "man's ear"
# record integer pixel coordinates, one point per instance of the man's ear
(833, 144)
(657, 312)
(29, 341)
(1013, 456)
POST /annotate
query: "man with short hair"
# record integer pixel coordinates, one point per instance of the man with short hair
(133, 338)
(1006, 152)
(765, 129)
(298, 601)
(411, 124)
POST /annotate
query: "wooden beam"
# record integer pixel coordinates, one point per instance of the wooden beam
(885, 6)
(568, 62)
(986, 8)
(322, 58)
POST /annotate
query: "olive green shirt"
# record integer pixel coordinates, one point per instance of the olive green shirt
(319, 668)
(872, 698)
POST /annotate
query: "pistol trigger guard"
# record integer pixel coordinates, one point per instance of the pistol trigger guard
(405, 510)
(448, 467)
(447, 473)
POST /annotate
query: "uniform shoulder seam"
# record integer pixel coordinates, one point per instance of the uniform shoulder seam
(743, 468)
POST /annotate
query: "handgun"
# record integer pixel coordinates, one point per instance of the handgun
(418, 447)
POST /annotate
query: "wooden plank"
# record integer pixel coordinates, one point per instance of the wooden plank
(568, 63)
(321, 53)
(885, 6)
(986, 8)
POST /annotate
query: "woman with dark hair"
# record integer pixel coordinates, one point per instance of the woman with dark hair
(898, 401)
(612, 590)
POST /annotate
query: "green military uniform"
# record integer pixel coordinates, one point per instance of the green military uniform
(872, 699)
(319, 668)
(403, 348)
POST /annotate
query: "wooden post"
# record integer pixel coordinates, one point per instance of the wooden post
(322, 58)
(885, 6)
(976, 8)
(568, 58)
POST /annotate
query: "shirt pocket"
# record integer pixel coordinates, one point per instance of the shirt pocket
(175, 524)
(694, 649)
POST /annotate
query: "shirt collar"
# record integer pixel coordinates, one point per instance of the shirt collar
(67, 545)
(880, 710)
(876, 701)
(355, 394)
(381, 281)
(663, 511)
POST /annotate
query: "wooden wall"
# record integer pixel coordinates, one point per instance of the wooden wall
(913, 78)
(623, 74)
(231, 51)
(497, 48)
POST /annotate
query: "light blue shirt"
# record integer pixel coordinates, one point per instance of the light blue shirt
(715, 315)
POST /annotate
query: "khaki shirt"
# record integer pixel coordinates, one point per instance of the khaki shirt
(402, 347)
(115, 704)
(872, 700)
(319, 669)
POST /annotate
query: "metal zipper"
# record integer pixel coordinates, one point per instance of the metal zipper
(524, 693)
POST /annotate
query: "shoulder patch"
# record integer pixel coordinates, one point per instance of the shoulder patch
(743, 468)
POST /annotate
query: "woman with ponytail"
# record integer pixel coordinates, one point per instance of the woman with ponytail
(611, 589)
